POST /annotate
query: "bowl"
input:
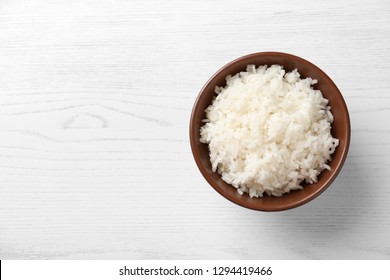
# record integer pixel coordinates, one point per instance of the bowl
(340, 129)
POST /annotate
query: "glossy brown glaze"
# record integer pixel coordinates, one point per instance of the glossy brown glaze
(340, 129)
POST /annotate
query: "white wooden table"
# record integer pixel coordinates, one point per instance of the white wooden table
(95, 100)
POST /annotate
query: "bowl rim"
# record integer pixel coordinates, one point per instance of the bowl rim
(193, 135)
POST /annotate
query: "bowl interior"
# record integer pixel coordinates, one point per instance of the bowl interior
(340, 130)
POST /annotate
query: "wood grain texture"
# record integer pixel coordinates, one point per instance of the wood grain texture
(95, 99)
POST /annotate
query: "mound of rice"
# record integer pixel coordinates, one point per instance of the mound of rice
(268, 131)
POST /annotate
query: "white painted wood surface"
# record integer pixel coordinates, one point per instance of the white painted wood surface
(95, 99)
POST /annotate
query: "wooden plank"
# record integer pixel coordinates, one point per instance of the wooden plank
(95, 100)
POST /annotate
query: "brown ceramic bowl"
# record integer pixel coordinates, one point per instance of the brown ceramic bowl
(340, 129)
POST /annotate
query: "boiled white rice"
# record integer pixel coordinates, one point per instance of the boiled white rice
(268, 131)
